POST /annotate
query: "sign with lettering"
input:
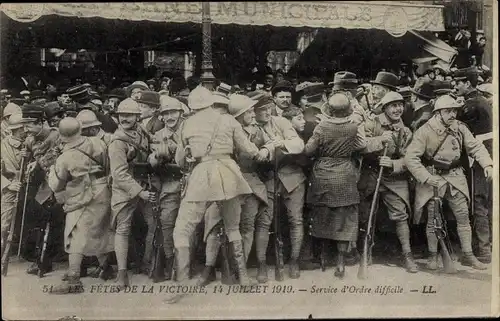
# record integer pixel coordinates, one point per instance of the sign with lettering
(316, 14)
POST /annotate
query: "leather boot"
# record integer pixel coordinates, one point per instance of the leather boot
(106, 272)
(182, 262)
(409, 263)
(207, 276)
(262, 273)
(33, 268)
(432, 261)
(144, 269)
(294, 269)
(169, 267)
(469, 259)
(340, 269)
(71, 285)
(239, 258)
(484, 256)
(122, 279)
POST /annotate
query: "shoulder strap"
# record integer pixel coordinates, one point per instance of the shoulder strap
(440, 145)
(88, 155)
(214, 133)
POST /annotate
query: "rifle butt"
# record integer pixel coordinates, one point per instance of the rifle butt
(448, 264)
(279, 270)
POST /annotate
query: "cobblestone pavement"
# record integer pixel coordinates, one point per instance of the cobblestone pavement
(389, 291)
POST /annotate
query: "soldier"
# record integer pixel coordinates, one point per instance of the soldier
(91, 126)
(211, 138)
(165, 143)
(149, 104)
(278, 132)
(8, 111)
(151, 84)
(128, 155)
(477, 114)
(54, 112)
(25, 94)
(439, 143)
(12, 152)
(388, 129)
(43, 146)
(422, 105)
(79, 181)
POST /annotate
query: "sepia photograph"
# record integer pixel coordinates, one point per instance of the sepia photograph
(249, 160)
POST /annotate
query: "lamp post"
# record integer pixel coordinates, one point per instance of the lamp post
(207, 77)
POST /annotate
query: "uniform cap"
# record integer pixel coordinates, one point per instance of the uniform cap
(79, 93)
(445, 102)
(469, 73)
(24, 92)
(11, 109)
(69, 129)
(442, 87)
(239, 104)
(87, 118)
(128, 106)
(200, 98)
(16, 120)
(224, 89)
(169, 103)
(150, 98)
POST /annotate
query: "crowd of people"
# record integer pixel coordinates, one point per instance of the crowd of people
(196, 156)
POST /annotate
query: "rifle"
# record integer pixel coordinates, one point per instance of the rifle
(228, 276)
(157, 269)
(370, 229)
(10, 236)
(278, 244)
(44, 248)
(440, 231)
(186, 172)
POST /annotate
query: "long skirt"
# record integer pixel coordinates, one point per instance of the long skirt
(335, 223)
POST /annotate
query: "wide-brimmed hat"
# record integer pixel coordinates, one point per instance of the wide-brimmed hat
(150, 98)
(117, 93)
(311, 89)
(16, 121)
(425, 90)
(263, 102)
(283, 85)
(486, 88)
(344, 80)
(10, 109)
(405, 91)
(386, 79)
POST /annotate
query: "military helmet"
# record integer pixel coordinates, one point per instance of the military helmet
(87, 118)
(239, 104)
(200, 98)
(128, 106)
(69, 128)
(169, 103)
(391, 97)
(11, 109)
(446, 102)
(16, 120)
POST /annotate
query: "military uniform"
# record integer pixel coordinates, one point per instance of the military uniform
(394, 189)
(79, 181)
(128, 155)
(11, 166)
(212, 138)
(434, 144)
(292, 184)
(170, 194)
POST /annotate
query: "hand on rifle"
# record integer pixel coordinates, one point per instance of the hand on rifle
(387, 136)
(153, 159)
(263, 155)
(148, 196)
(488, 173)
(15, 186)
(24, 153)
(434, 180)
(386, 161)
(31, 166)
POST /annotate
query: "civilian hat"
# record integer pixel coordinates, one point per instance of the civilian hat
(386, 79)
(37, 94)
(136, 84)
(264, 102)
(442, 87)
(470, 73)
(345, 80)
(283, 85)
(425, 91)
(150, 98)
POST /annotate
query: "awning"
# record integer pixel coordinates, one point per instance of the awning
(395, 17)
